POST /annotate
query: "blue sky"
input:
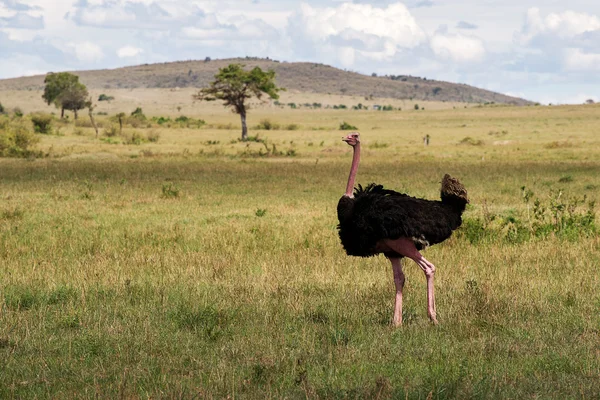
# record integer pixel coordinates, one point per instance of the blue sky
(547, 51)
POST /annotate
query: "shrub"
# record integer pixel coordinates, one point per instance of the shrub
(133, 138)
(138, 113)
(470, 141)
(2, 110)
(17, 112)
(162, 120)
(187, 122)
(267, 125)
(292, 127)
(153, 136)
(111, 130)
(16, 138)
(83, 123)
(170, 190)
(42, 123)
(104, 97)
(344, 126)
(558, 214)
(417, 107)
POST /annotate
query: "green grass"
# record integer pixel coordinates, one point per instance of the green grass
(114, 286)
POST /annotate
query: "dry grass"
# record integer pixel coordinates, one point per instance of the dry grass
(197, 266)
(301, 77)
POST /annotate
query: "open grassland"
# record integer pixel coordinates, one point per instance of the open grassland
(173, 102)
(202, 267)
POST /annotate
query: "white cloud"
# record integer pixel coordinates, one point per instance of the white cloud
(129, 51)
(350, 32)
(87, 52)
(22, 20)
(556, 25)
(458, 48)
(240, 30)
(577, 60)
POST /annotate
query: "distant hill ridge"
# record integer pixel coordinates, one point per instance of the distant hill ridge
(294, 76)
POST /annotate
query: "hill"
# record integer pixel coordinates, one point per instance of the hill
(296, 76)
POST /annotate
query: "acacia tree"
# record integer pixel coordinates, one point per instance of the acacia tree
(234, 86)
(65, 91)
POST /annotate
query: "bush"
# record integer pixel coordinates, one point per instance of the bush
(558, 214)
(83, 123)
(267, 125)
(470, 141)
(104, 97)
(344, 126)
(2, 110)
(138, 113)
(111, 130)
(153, 136)
(133, 138)
(17, 112)
(16, 138)
(42, 123)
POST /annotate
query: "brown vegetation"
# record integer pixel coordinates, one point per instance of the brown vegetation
(300, 76)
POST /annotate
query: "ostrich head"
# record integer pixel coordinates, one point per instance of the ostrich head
(352, 139)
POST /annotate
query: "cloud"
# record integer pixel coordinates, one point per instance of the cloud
(424, 3)
(465, 25)
(242, 30)
(126, 14)
(577, 60)
(560, 42)
(541, 31)
(86, 52)
(22, 20)
(351, 31)
(38, 47)
(458, 48)
(17, 5)
(129, 51)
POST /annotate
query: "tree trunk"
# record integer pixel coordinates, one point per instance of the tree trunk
(75, 114)
(91, 109)
(62, 113)
(120, 125)
(244, 127)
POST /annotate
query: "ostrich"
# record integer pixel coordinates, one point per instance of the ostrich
(375, 220)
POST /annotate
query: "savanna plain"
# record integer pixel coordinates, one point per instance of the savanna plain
(193, 265)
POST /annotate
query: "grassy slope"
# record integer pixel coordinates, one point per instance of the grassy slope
(303, 77)
(109, 288)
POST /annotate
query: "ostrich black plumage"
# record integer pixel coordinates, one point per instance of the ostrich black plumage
(375, 220)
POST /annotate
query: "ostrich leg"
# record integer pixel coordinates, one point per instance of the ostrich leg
(399, 283)
(406, 247)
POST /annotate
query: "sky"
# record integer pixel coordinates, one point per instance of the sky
(542, 50)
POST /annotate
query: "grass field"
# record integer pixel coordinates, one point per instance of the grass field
(202, 267)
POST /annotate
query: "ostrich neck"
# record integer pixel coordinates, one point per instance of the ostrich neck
(353, 170)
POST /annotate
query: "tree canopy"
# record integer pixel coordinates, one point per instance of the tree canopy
(234, 86)
(64, 90)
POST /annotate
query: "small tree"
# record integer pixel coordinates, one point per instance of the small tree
(74, 98)
(64, 90)
(234, 86)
